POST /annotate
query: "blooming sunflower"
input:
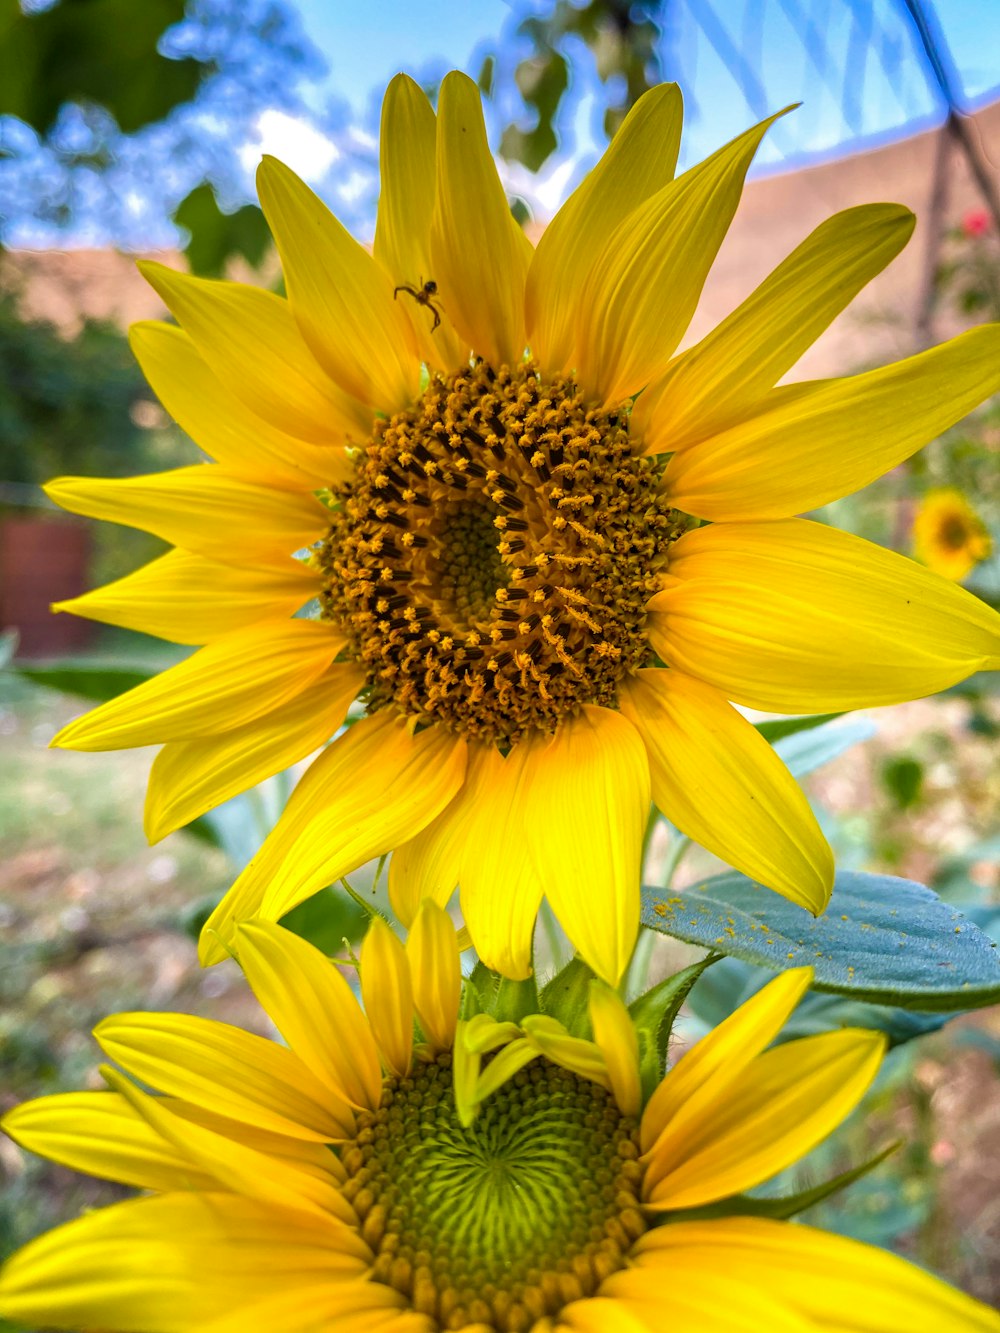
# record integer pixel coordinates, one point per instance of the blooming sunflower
(948, 535)
(495, 466)
(494, 1175)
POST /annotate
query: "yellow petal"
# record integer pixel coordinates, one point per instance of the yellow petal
(639, 161)
(585, 810)
(551, 1039)
(759, 611)
(340, 297)
(777, 1110)
(352, 1306)
(237, 1166)
(221, 423)
(716, 383)
(101, 1134)
(189, 777)
(435, 971)
(205, 508)
(615, 1037)
(834, 1282)
(167, 1265)
(314, 1009)
(719, 781)
(501, 888)
(408, 167)
(226, 1070)
(838, 438)
(479, 254)
(185, 598)
(221, 686)
(340, 816)
(702, 1299)
(645, 284)
(602, 1314)
(703, 1073)
(388, 995)
(251, 342)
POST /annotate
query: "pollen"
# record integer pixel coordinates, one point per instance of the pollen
(493, 557)
(504, 1222)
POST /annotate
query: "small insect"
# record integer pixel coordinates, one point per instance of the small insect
(423, 296)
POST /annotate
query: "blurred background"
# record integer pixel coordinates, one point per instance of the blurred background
(130, 130)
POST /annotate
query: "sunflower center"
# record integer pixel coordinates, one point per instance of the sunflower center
(493, 558)
(504, 1222)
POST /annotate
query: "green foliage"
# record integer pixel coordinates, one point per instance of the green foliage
(67, 402)
(92, 51)
(215, 236)
(567, 995)
(883, 940)
(654, 1015)
(903, 779)
(97, 681)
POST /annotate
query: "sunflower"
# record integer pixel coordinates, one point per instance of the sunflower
(948, 535)
(493, 1175)
(492, 468)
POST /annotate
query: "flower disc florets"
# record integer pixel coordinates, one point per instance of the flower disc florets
(509, 1219)
(493, 560)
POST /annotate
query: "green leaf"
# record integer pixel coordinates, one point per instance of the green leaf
(903, 778)
(885, 940)
(790, 726)
(98, 681)
(101, 51)
(653, 1015)
(216, 236)
(747, 1205)
(327, 919)
(566, 997)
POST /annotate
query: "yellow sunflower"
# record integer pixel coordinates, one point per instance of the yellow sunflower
(494, 1175)
(494, 465)
(948, 535)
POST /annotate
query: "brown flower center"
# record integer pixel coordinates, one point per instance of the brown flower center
(493, 558)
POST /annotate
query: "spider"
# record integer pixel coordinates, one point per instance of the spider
(423, 296)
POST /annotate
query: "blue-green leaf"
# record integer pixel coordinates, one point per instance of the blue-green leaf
(885, 940)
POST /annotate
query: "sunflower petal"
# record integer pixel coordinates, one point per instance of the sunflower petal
(639, 161)
(221, 423)
(716, 383)
(615, 1037)
(758, 610)
(250, 340)
(703, 1300)
(435, 973)
(205, 508)
(830, 1280)
(408, 166)
(189, 777)
(340, 297)
(314, 1009)
(221, 686)
(339, 816)
(842, 436)
(778, 1109)
(101, 1134)
(184, 598)
(168, 1264)
(703, 1073)
(226, 1070)
(584, 810)
(388, 995)
(719, 781)
(479, 254)
(644, 286)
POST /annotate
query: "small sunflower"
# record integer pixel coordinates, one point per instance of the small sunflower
(492, 467)
(492, 1175)
(949, 537)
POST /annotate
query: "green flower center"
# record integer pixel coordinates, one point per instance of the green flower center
(506, 1221)
(493, 558)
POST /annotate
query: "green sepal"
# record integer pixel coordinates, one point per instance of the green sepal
(478, 991)
(567, 996)
(515, 1000)
(746, 1205)
(653, 1015)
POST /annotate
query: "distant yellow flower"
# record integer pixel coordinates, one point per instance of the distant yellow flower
(492, 1176)
(948, 535)
(504, 559)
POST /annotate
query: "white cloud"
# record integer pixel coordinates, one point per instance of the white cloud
(298, 144)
